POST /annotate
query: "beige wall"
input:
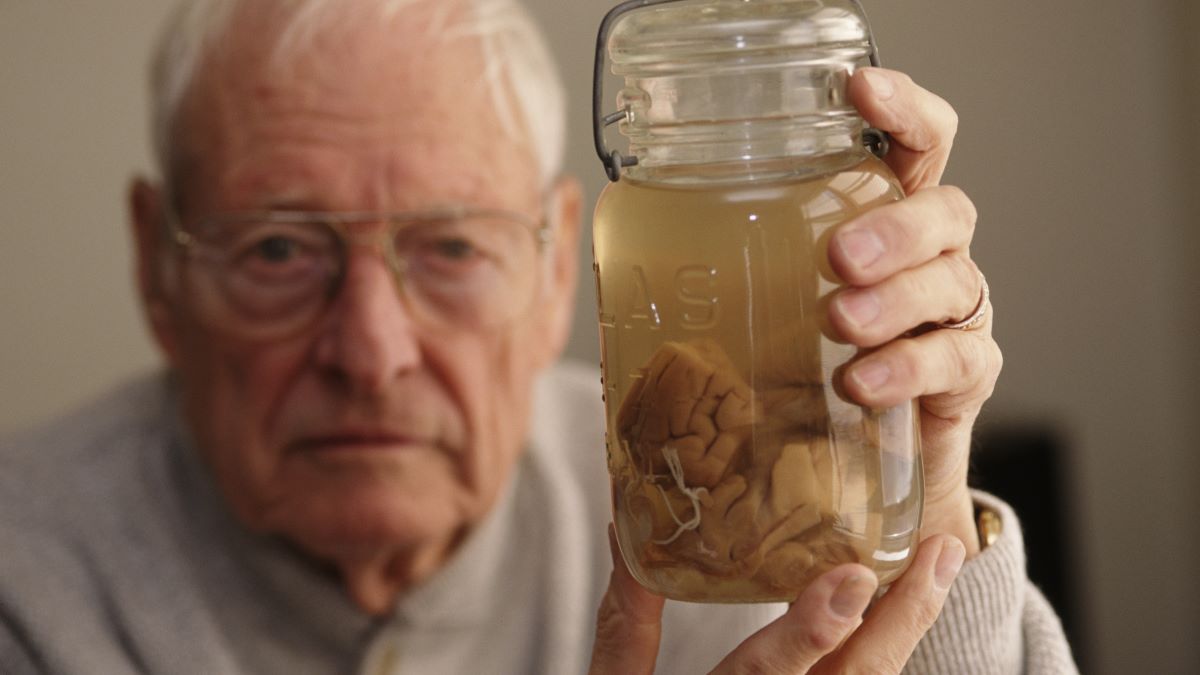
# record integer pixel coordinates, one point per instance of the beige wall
(1072, 143)
(72, 128)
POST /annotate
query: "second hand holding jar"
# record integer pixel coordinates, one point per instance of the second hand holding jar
(739, 473)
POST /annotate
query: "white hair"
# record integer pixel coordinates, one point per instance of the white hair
(520, 71)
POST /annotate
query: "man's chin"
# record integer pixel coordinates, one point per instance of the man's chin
(372, 522)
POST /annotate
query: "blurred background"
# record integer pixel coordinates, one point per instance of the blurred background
(1078, 142)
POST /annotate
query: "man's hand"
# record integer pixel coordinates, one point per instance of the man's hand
(908, 268)
(908, 265)
(822, 632)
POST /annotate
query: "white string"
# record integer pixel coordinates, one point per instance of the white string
(671, 455)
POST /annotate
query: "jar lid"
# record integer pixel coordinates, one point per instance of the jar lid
(680, 36)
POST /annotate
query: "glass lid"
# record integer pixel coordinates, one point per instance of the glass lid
(678, 34)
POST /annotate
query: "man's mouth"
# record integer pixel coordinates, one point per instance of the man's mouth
(359, 441)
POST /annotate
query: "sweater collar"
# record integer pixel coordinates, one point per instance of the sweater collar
(461, 593)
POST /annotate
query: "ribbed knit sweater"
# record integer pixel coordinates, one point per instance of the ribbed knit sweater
(117, 555)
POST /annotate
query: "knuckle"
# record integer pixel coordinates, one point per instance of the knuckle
(924, 294)
(817, 640)
(959, 208)
(966, 275)
(944, 118)
(997, 358)
(950, 119)
(964, 360)
(995, 363)
(941, 121)
(963, 275)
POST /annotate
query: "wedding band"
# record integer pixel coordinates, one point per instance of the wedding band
(977, 316)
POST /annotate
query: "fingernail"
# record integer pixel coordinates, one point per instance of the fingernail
(861, 247)
(881, 85)
(871, 376)
(860, 307)
(850, 598)
(949, 562)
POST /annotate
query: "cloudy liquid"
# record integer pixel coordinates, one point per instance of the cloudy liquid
(738, 473)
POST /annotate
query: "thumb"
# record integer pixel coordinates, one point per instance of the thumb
(628, 625)
(922, 124)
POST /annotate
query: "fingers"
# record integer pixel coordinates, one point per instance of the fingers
(922, 124)
(820, 619)
(948, 288)
(901, 235)
(955, 371)
(899, 620)
(629, 623)
(907, 264)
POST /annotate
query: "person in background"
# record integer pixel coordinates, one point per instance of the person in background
(359, 261)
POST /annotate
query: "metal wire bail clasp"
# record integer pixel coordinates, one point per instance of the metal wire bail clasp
(874, 139)
(612, 159)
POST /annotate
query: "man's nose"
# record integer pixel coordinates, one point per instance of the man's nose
(369, 336)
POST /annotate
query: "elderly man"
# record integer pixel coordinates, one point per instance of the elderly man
(359, 264)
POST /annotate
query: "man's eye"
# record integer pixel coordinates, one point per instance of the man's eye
(276, 249)
(455, 249)
(282, 257)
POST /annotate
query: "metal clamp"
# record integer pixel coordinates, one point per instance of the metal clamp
(875, 140)
(613, 161)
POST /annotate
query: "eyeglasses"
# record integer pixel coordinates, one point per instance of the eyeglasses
(270, 274)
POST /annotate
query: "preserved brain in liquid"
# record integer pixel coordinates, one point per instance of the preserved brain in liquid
(738, 473)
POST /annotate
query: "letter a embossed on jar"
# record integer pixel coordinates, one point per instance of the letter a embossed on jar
(739, 474)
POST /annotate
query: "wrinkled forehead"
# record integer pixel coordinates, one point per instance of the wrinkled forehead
(412, 82)
(340, 41)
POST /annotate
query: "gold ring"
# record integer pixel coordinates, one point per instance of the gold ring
(978, 315)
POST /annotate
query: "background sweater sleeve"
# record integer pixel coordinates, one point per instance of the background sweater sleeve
(994, 620)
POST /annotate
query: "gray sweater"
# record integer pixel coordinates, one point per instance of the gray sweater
(118, 556)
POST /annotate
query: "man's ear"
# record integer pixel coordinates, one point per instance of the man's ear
(149, 236)
(565, 213)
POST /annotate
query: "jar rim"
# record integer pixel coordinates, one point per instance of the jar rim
(703, 29)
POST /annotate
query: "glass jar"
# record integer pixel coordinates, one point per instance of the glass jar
(739, 471)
